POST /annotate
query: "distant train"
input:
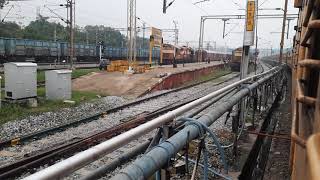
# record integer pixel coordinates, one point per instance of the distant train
(19, 50)
(235, 63)
(206, 56)
(186, 54)
(182, 54)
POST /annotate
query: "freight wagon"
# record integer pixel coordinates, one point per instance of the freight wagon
(206, 56)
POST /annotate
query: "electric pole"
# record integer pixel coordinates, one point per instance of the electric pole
(176, 33)
(55, 33)
(224, 26)
(165, 6)
(143, 34)
(70, 5)
(283, 30)
(87, 37)
(175, 42)
(131, 30)
(256, 50)
(71, 33)
(289, 19)
(97, 35)
(201, 39)
(248, 41)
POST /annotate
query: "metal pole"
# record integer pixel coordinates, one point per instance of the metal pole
(135, 31)
(288, 28)
(83, 158)
(283, 30)
(0, 92)
(256, 50)
(87, 37)
(201, 39)
(55, 33)
(175, 42)
(200, 35)
(131, 31)
(100, 52)
(224, 26)
(97, 35)
(71, 34)
(248, 41)
(144, 33)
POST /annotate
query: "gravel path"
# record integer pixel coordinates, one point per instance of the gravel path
(50, 119)
(11, 154)
(218, 126)
(221, 129)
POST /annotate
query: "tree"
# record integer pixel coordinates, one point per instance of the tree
(108, 35)
(41, 29)
(2, 3)
(10, 29)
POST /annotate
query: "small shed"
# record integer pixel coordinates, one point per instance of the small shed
(58, 84)
(20, 80)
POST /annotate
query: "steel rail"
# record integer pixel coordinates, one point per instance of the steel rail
(68, 149)
(81, 159)
(17, 168)
(31, 136)
(145, 166)
(98, 173)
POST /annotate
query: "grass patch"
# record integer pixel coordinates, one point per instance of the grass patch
(75, 73)
(214, 74)
(10, 112)
(81, 72)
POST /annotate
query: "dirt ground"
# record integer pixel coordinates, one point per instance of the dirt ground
(278, 162)
(128, 86)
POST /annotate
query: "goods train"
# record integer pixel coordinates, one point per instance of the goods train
(186, 54)
(207, 56)
(19, 50)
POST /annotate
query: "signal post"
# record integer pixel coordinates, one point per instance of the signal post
(156, 40)
(248, 40)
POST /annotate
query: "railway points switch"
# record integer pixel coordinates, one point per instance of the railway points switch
(58, 84)
(20, 80)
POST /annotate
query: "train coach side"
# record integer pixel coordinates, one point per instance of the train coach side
(2, 51)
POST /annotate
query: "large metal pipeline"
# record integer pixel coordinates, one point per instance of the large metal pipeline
(154, 160)
(98, 173)
(83, 158)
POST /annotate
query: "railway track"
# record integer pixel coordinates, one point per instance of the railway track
(103, 166)
(48, 131)
(144, 112)
(66, 150)
(76, 144)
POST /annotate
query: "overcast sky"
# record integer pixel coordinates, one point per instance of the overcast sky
(113, 13)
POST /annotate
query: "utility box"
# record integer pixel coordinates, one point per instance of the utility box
(20, 80)
(58, 84)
